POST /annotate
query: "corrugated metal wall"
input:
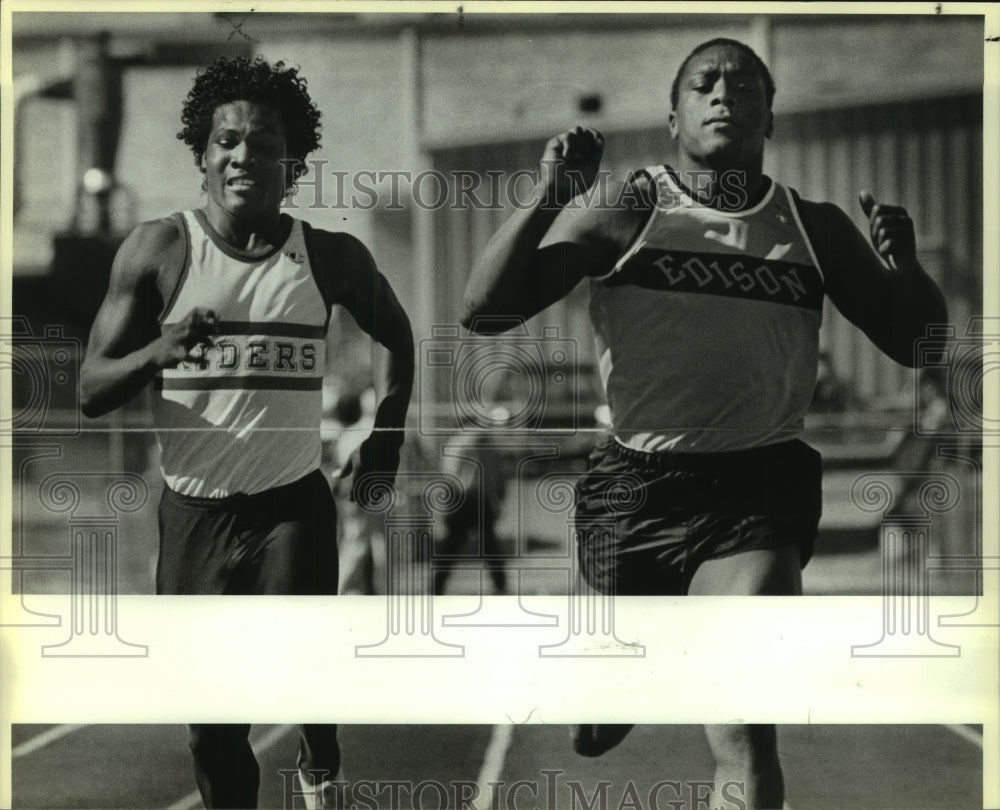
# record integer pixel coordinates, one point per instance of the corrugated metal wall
(925, 155)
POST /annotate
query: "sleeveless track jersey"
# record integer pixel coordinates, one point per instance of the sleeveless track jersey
(249, 419)
(708, 326)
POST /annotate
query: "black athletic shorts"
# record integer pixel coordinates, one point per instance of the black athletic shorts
(281, 541)
(646, 521)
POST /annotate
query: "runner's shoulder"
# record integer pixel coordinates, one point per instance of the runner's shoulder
(614, 211)
(342, 264)
(821, 217)
(336, 247)
(148, 247)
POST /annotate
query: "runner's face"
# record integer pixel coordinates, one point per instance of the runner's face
(722, 114)
(243, 173)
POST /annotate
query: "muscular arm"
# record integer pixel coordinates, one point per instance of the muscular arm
(126, 348)
(892, 305)
(367, 296)
(517, 276)
(545, 249)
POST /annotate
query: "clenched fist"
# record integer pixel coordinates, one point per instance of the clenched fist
(570, 162)
(891, 233)
(374, 466)
(187, 340)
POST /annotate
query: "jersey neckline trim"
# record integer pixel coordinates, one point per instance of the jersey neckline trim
(674, 179)
(285, 224)
(180, 222)
(794, 205)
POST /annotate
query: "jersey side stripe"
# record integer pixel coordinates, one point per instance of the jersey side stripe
(793, 203)
(733, 275)
(270, 329)
(246, 383)
(322, 275)
(179, 273)
(654, 172)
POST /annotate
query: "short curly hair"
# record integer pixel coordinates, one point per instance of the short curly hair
(242, 79)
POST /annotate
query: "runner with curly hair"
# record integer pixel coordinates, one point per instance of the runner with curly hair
(280, 88)
(225, 309)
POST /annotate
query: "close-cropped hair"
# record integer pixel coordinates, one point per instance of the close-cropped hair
(765, 74)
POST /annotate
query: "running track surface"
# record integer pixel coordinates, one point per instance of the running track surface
(148, 766)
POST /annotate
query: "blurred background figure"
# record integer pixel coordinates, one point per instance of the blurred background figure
(831, 394)
(932, 400)
(348, 418)
(477, 461)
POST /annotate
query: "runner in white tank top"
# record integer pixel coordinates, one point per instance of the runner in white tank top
(732, 301)
(225, 310)
(246, 417)
(706, 316)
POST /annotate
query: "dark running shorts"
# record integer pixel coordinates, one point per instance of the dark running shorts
(646, 521)
(281, 541)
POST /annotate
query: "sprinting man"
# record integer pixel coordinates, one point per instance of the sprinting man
(224, 309)
(707, 281)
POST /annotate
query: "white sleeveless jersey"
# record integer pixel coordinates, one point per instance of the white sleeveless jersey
(249, 419)
(708, 326)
